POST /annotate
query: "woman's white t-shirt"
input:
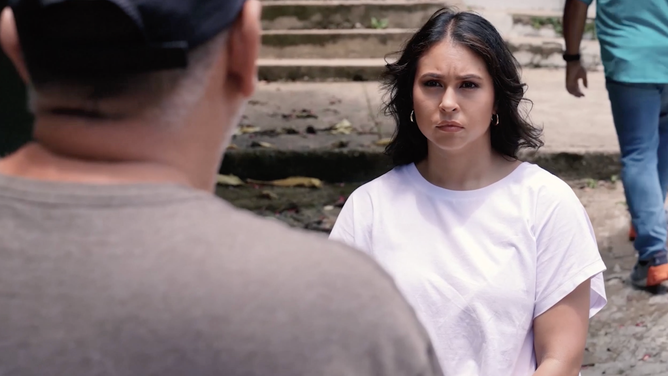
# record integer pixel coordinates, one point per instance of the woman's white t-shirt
(478, 266)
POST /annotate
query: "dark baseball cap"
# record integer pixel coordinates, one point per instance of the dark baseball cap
(78, 38)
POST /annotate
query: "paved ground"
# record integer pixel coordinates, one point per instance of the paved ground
(629, 337)
(283, 112)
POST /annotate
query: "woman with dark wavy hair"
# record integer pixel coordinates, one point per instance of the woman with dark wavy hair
(497, 256)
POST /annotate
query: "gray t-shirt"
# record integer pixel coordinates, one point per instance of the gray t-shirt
(164, 280)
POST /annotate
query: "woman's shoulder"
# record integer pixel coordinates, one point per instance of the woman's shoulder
(393, 180)
(544, 187)
(540, 180)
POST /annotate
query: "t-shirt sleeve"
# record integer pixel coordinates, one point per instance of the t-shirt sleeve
(353, 225)
(567, 251)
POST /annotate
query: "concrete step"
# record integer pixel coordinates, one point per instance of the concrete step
(287, 15)
(369, 43)
(321, 69)
(401, 14)
(352, 55)
(332, 44)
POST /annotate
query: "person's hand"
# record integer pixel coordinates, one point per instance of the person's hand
(574, 73)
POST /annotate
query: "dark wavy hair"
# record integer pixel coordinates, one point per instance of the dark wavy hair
(514, 131)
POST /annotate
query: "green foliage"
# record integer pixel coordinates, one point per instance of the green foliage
(556, 23)
(379, 24)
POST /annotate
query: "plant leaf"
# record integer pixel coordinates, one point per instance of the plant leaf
(383, 142)
(248, 129)
(343, 127)
(297, 181)
(229, 180)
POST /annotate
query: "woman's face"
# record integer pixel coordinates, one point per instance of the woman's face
(453, 98)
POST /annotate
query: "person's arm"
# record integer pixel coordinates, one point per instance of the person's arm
(575, 18)
(560, 334)
(569, 281)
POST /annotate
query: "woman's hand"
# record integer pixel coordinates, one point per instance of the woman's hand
(560, 335)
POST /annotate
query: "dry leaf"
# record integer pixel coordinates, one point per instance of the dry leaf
(383, 142)
(340, 144)
(306, 114)
(247, 129)
(269, 195)
(290, 130)
(230, 180)
(262, 144)
(297, 181)
(232, 147)
(344, 127)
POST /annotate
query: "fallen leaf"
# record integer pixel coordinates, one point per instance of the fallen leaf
(290, 131)
(383, 142)
(341, 144)
(269, 195)
(306, 114)
(296, 181)
(247, 129)
(233, 147)
(344, 127)
(262, 144)
(229, 180)
(646, 357)
(328, 208)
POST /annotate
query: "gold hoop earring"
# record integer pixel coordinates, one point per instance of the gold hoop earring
(413, 116)
(496, 122)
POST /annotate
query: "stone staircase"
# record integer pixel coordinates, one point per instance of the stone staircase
(349, 40)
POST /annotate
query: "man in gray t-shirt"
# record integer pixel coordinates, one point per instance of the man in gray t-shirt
(115, 256)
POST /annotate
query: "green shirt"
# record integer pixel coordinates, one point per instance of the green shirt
(634, 39)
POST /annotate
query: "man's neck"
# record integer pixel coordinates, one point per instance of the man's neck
(36, 162)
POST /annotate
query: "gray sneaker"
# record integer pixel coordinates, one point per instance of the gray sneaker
(650, 273)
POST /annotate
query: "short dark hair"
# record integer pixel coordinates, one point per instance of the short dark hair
(514, 132)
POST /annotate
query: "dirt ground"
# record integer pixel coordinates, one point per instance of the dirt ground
(629, 337)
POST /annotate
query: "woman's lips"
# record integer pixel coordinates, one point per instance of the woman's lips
(449, 126)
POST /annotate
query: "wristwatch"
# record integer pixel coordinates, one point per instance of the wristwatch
(569, 58)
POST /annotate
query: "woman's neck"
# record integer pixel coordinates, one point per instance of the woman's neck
(465, 170)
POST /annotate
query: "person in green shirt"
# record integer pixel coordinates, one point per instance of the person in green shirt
(634, 49)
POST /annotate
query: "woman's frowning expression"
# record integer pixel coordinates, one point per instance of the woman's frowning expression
(453, 97)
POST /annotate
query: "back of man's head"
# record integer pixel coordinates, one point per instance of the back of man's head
(106, 48)
(156, 62)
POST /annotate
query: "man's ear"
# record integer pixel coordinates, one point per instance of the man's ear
(244, 47)
(9, 39)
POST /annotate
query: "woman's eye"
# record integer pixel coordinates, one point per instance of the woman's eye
(469, 85)
(432, 83)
